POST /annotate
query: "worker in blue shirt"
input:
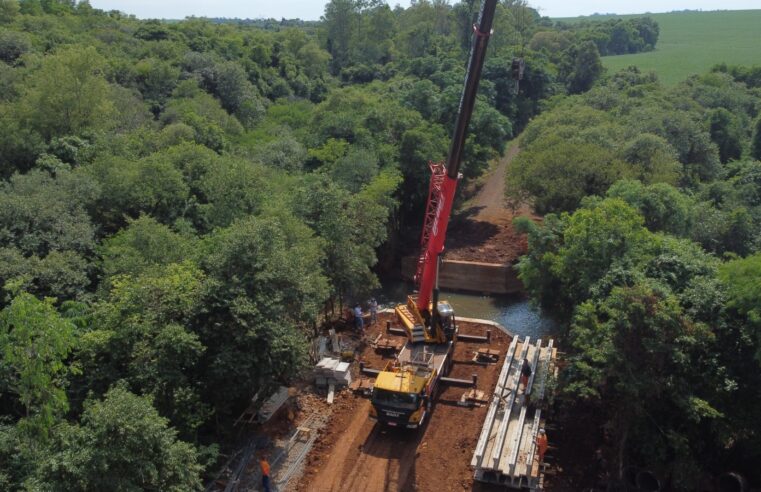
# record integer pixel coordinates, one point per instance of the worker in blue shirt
(359, 323)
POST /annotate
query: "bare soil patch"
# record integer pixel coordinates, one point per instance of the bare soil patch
(483, 229)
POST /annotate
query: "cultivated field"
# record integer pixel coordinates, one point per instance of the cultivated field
(693, 42)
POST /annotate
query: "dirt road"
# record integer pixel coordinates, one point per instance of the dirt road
(355, 454)
(490, 199)
(483, 228)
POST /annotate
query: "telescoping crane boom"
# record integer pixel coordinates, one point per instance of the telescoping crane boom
(404, 390)
(422, 316)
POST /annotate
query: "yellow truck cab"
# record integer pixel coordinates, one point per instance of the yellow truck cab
(404, 389)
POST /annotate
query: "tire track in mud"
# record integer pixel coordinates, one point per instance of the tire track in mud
(369, 458)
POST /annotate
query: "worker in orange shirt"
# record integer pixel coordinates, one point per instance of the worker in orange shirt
(541, 444)
(265, 466)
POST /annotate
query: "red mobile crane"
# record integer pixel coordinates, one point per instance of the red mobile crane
(425, 319)
(404, 390)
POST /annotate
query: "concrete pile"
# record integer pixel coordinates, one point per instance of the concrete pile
(331, 371)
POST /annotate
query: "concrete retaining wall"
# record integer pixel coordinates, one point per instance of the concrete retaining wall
(471, 276)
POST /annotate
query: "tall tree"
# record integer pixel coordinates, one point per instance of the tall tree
(122, 445)
(755, 143)
(340, 20)
(9, 9)
(68, 93)
(581, 67)
(36, 341)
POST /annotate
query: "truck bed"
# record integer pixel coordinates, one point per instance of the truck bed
(436, 353)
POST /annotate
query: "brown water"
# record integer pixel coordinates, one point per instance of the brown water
(516, 313)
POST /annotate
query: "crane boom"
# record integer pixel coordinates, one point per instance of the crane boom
(444, 177)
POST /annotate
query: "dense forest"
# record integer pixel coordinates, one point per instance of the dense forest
(651, 254)
(182, 204)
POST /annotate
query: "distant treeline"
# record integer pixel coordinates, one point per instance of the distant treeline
(268, 24)
(613, 36)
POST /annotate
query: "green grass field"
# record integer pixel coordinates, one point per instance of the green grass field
(693, 42)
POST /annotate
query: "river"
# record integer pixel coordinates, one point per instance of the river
(515, 313)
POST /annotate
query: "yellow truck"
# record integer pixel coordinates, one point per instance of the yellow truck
(404, 390)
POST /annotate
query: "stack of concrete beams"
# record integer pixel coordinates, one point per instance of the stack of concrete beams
(272, 405)
(331, 371)
(505, 452)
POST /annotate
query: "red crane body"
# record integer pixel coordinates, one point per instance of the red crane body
(444, 177)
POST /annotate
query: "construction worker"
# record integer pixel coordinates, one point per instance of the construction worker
(373, 311)
(541, 444)
(525, 374)
(359, 323)
(265, 466)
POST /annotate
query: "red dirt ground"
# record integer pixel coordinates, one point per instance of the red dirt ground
(353, 453)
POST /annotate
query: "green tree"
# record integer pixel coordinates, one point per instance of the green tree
(639, 356)
(9, 9)
(652, 159)
(581, 67)
(755, 143)
(663, 206)
(339, 21)
(144, 327)
(235, 189)
(125, 435)
(726, 134)
(285, 153)
(265, 286)
(68, 94)
(40, 213)
(354, 170)
(743, 280)
(13, 45)
(156, 80)
(574, 257)
(237, 94)
(558, 173)
(36, 341)
(144, 243)
(352, 226)
(63, 275)
(213, 126)
(151, 185)
(376, 42)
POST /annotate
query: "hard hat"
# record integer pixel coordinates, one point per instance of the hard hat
(541, 431)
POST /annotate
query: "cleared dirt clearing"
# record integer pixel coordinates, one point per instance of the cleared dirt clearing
(354, 453)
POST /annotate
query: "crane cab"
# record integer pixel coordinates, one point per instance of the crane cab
(423, 327)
